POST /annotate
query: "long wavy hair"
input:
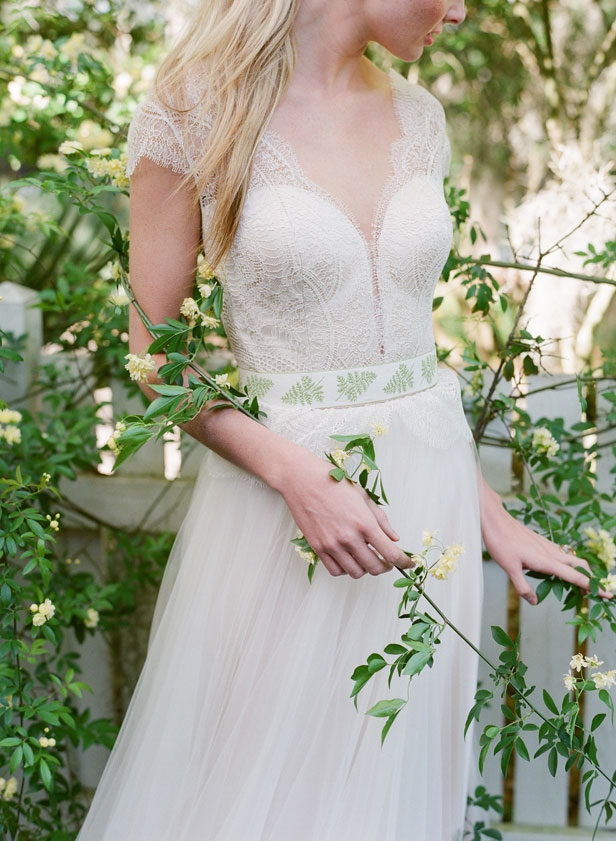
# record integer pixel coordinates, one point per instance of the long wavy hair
(244, 52)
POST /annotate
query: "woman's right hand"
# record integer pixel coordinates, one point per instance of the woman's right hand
(349, 532)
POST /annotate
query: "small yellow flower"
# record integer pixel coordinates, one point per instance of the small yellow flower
(379, 429)
(569, 681)
(544, 442)
(209, 321)
(70, 147)
(10, 416)
(427, 539)
(309, 557)
(139, 367)
(190, 310)
(54, 524)
(601, 543)
(92, 618)
(42, 612)
(339, 456)
(205, 290)
(447, 562)
(47, 609)
(100, 166)
(8, 788)
(594, 661)
(604, 680)
(222, 380)
(205, 272)
(11, 434)
(579, 662)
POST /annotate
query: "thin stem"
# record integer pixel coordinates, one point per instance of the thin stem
(530, 267)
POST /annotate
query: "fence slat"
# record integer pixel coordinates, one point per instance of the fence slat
(19, 317)
(541, 799)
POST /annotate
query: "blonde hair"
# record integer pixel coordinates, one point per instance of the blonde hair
(244, 51)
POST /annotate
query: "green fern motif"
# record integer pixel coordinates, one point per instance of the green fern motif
(353, 384)
(305, 392)
(258, 386)
(401, 380)
(428, 369)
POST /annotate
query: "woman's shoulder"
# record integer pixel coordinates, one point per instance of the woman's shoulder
(168, 125)
(415, 101)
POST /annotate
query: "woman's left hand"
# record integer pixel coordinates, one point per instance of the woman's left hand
(516, 548)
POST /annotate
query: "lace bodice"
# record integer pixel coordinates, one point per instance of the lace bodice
(304, 288)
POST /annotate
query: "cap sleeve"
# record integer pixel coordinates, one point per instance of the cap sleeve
(156, 133)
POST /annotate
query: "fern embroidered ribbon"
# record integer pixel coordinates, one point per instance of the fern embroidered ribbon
(343, 387)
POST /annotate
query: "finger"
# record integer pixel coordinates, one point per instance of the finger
(388, 551)
(565, 572)
(368, 559)
(383, 520)
(522, 586)
(331, 565)
(351, 565)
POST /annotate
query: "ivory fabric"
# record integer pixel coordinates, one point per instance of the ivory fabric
(241, 727)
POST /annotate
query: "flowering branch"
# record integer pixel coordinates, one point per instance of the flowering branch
(186, 388)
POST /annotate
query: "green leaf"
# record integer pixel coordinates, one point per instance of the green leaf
(10, 742)
(360, 677)
(45, 773)
(501, 637)
(387, 726)
(383, 709)
(549, 702)
(597, 721)
(6, 595)
(170, 390)
(417, 662)
(553, 762)
(394, 649)
(521, 749)
(16, 759)
(376, 663)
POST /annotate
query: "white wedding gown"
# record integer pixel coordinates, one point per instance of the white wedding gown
(241, 727)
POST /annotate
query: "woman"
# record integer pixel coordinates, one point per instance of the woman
(321, 208)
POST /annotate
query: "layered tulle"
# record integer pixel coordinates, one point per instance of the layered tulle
(241, 727)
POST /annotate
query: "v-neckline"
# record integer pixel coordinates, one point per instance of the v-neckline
(385, 193)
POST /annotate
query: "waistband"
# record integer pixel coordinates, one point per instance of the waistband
(345, 387)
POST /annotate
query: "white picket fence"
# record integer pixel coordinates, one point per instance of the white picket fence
(143, 496)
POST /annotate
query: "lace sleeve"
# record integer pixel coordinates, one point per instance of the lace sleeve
(155, 133)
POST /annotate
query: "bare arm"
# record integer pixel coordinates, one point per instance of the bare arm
(338, 519)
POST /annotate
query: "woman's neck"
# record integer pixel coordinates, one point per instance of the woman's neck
(330, 50)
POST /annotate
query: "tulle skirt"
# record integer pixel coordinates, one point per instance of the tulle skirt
(241, 727)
